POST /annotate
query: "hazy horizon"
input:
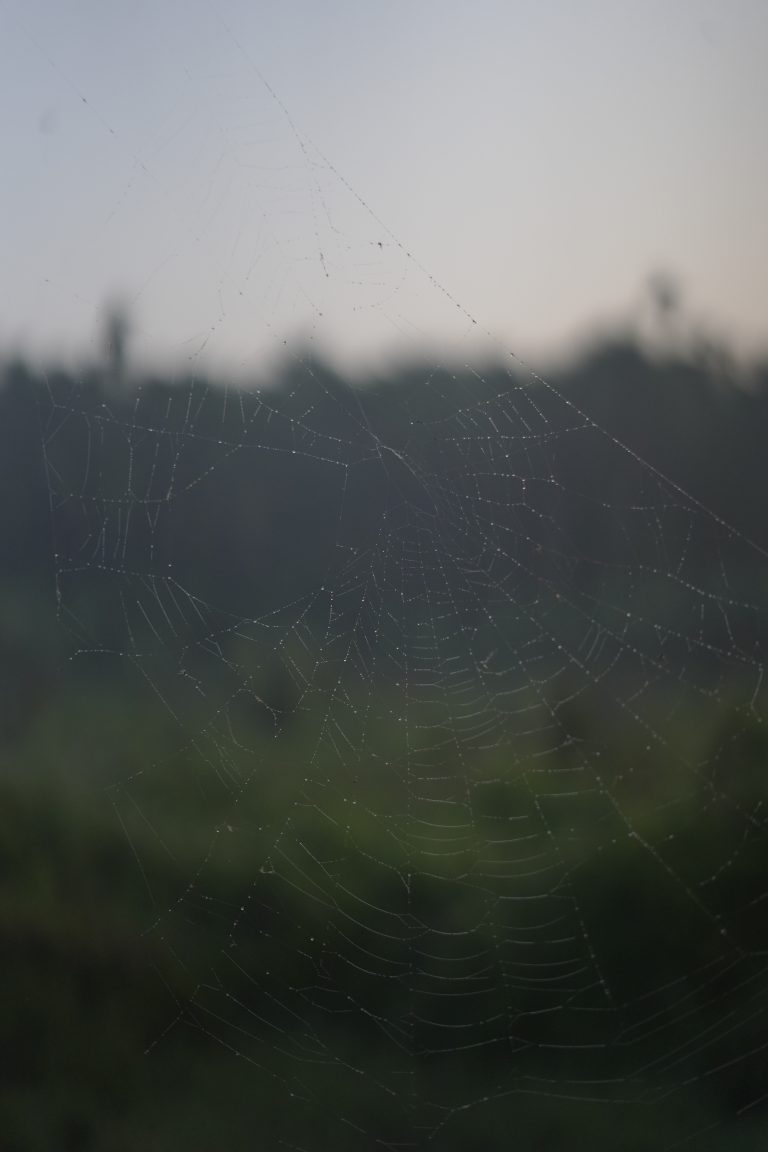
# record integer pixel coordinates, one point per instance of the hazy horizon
(379, 183)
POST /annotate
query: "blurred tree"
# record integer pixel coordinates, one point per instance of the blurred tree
(665, 294)
(665, 312)
(117, 329)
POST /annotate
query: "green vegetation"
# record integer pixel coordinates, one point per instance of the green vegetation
(383, 768)
(145, 1007)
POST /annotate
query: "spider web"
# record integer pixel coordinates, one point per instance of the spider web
(462, 733)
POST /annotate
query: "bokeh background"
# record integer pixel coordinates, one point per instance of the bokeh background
(383, 576)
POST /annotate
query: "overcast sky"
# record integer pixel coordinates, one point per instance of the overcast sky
(373, 177)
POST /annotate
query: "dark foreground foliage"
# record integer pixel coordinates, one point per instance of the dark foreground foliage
(261, 888)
